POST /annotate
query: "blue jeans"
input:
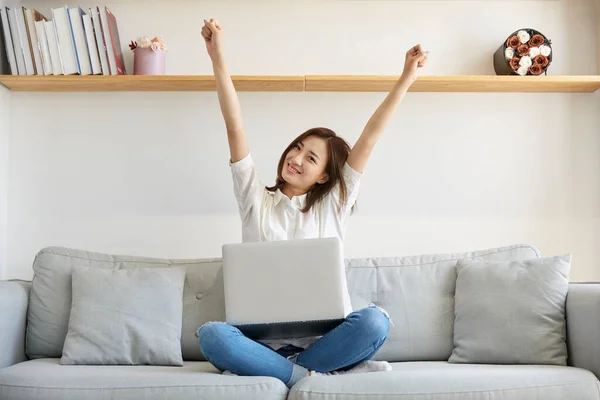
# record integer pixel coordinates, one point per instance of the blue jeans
(357, 339)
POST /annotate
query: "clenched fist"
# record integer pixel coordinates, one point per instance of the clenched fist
(213, 37)
(415, 58)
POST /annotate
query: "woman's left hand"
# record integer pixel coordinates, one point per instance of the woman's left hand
(415, 59)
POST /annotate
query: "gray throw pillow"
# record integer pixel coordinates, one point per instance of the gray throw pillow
(125, 317)
(511, 312)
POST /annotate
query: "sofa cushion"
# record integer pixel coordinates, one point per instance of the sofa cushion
(125, 317)
(511, 312)
(50, 299)
(48, 380)
(444, 381)
(418, 293)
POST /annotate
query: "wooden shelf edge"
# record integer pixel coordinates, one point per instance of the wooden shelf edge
(301, 83)
(159, 83)
(466, 83)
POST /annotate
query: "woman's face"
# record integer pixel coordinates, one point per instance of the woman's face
(305, 163)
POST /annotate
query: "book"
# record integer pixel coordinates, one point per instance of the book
(64, 38)
(34, 44)
(114, 34)
(100, 41)
(24, 38)
(14, 31)
(91, 43)
(8, 44)
(40, 31)
(44, 49)
(113, 42)
(81, 47)
(53, 47)
(110, 54)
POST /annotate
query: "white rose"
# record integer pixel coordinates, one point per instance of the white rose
(509, 53)
(545, 50)
(524, 36)
(144, 42)
(522, 70)
(525, 62)
(534, 51)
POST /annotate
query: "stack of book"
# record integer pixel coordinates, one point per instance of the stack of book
(73, 42)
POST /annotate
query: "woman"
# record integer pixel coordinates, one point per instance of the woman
(317, 185)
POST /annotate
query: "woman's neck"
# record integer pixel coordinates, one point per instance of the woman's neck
(289, 191)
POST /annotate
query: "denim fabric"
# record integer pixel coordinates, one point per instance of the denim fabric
(357, 339)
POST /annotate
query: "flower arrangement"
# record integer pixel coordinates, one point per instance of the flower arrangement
(145, 42)
(525, 52)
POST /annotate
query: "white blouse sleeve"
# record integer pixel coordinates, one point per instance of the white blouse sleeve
(246, 185)
(352, 180)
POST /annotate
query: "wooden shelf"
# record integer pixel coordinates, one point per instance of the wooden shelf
(147, 83)
(472, 83)
(309, 83)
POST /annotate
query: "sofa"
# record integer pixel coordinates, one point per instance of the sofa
(417, 291)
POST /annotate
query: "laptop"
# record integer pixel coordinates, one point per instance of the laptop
(285, 289)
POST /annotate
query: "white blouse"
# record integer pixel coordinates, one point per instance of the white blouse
(268, 216)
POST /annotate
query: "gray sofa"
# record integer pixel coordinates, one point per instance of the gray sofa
(417, 291)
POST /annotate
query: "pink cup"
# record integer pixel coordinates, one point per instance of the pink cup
(148, 62)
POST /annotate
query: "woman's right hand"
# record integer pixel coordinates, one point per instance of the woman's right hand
(212, 34)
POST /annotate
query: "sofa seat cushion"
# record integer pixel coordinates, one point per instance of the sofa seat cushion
(445, 381)
(46, 379)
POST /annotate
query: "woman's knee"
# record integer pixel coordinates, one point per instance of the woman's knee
(374, 321)
(215, 338)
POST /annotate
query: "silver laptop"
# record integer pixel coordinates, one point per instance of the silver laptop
(285, 289)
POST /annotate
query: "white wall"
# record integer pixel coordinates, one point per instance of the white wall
(4, 158)
(598, 34)
(147, 173)
(4, 165)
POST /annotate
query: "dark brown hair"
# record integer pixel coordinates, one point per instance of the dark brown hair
(338, 151)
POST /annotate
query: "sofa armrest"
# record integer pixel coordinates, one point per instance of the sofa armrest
(14, 298)
(583, 326)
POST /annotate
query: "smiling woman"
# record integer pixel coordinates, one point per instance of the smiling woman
(317, 185)
(313, 164)
(318, 173)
